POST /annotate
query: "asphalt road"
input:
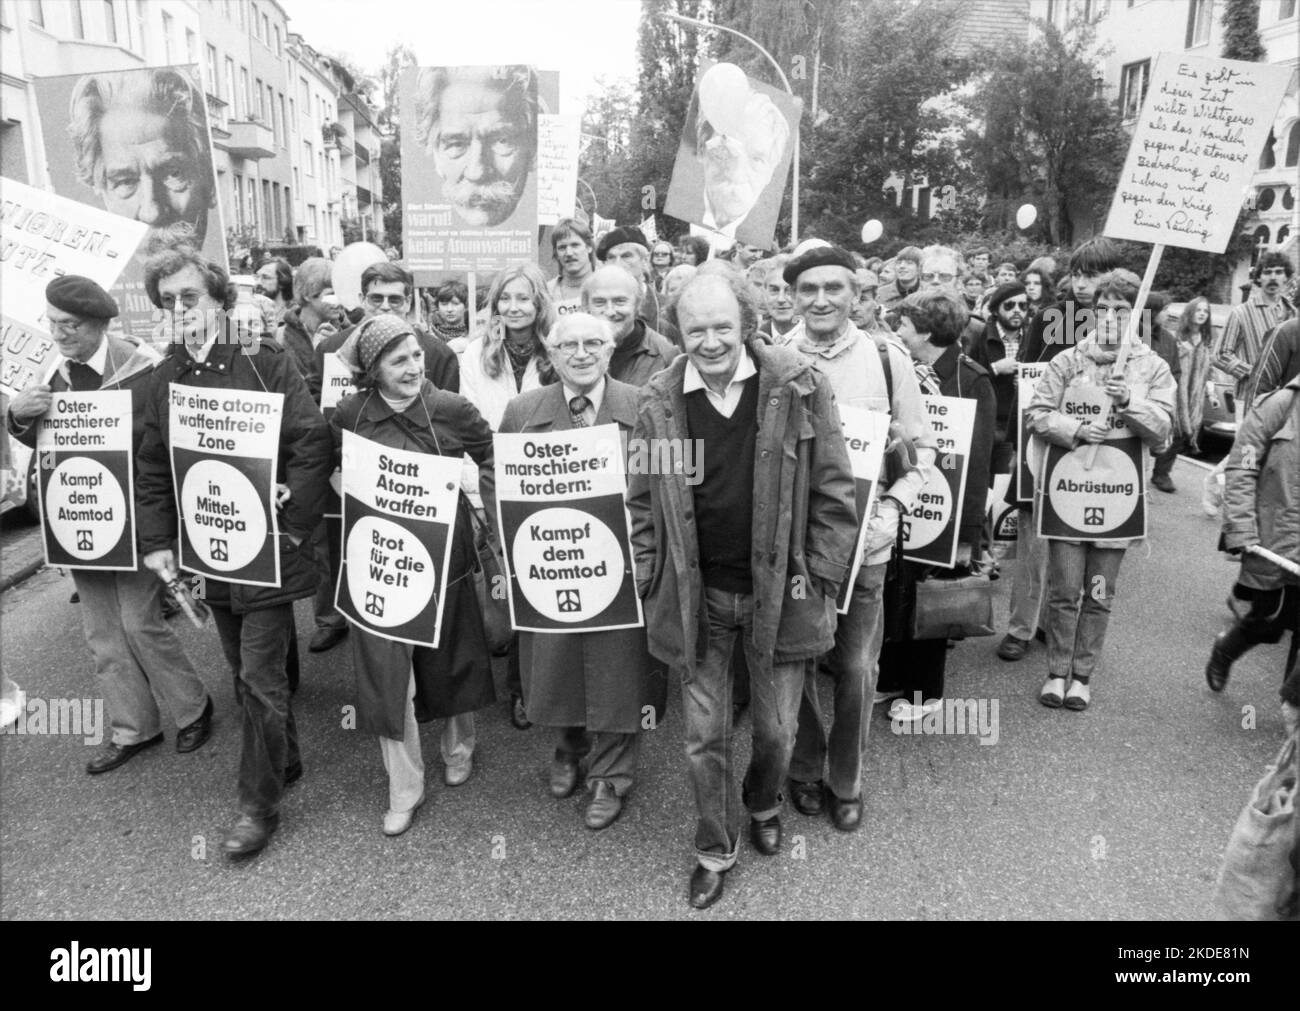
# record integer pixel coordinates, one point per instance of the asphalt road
(1117, 813)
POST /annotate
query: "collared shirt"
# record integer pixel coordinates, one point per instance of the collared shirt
(98, 362)
(201, 355)
(1010, 340)
(595, 397)
(726, 402)
(1242, 339)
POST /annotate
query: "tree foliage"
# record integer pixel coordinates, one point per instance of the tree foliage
(607, 165)
(399, 58)
(1241, 39)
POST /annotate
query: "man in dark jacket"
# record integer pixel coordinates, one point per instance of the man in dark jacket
(756, 544)
(255, 622)
(1278, 363)
(138, 658)
(639, 352)
(995, 350)
(1064, 324)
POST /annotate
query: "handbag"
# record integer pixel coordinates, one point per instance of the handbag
(1258, 879)
(953, 608)
(490, 585)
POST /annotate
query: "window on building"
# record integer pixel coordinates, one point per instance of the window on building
(1260, 244)
(1200, 17)
(1293, 145)
(214, 83)
(191, 47)
(239, 200)
(245, 92)
(1133, 82)
(229, 93)
(241, 14)
(293, 118)
(110, 21)
(1283, 234)
(1267, 158)
(257, 23)
(167, 21)
(1058, 13)
(1285, 9)
(306, 95)
(1094, 10)
(266, 30)
(297, 178)
(1288, 198)
(140, 33)
(36, 12)
(309, 158)
(279, 43)
(259, 104)
(1264, 198)
(78, 20)
(284, 123)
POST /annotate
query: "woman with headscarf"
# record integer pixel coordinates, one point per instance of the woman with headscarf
(400, 685)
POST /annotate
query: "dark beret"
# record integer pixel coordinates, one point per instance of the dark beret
(819, 256)
(619, 236)
(1003, 292)
(80, 296)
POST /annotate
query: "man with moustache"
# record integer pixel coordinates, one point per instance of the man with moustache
(995, 348)
(1242, 341)
(138, 658)
(571, 244)
(611, 293)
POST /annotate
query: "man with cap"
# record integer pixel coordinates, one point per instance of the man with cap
(255, 622)
(874, 374)
(139, 661)
(628, 247)
(611, 293)
(995, 346)
(752, 544)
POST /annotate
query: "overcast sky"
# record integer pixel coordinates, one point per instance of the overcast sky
(583, 39)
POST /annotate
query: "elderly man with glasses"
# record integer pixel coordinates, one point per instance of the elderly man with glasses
(600, 689)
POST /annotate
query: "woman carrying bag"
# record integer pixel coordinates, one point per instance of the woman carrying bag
(399, 685)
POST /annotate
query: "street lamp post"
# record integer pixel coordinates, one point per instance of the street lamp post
(794, 192)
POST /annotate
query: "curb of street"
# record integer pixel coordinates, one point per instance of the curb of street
(23, 574)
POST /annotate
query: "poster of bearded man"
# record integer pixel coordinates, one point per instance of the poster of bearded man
(734, 158)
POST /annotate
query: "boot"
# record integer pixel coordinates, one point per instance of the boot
(1227, 647)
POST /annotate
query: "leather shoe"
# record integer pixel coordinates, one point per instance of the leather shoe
(564, 778)
(455, 775)
(327, 638)
(519, 715)
(1013, 648)
(249, 835)
(193, 737)
(1163, 482)
(808, 798)
(766, 835)
(605, 806)
(112, 755)
(397, 822)
(292, 774)
(846, 815)
(706, 887)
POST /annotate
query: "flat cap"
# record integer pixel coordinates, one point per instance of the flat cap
(821, 256)
(1003, 292)
(619, 236)
(80, 296)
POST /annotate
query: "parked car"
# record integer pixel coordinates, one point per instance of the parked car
(1219, 422)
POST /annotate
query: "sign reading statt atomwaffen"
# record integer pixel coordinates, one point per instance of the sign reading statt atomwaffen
(865, 435)
(930, 527)
(1105, 501)
(225, 445)
(566, 532)
(1027, 377)
(86, 479)
(399, 508)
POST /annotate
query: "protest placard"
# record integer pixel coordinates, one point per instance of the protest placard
(225, 445)
(558, 138)
(931, 526)
(45, 236)
(734, 158)
(865, 435)
(1027, 377)
(565, 530)
(336, 383)
(86, 118)
(399, 510)
(1195, 146)
(1097, 501)
(1001, 513)
(452, 222)
(87, 481)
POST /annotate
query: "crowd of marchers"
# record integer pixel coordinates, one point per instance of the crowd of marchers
(739, 568)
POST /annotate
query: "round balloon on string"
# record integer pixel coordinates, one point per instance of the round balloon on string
(348, 268)
(871, 231)
(1026, 215)
(724, 90)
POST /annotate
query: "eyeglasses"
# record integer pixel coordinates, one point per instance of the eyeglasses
(570, 349)
(66, 326)
(1016, 303)
(188, 299)
(931, 277)
(376, 301)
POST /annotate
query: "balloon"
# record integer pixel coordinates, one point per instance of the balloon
(871, 231)
(1026, 216)
(724, 90)
(808, 244)
(349, 267)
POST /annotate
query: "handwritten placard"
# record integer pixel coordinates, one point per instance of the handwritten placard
(1196, 145)
(557, 166)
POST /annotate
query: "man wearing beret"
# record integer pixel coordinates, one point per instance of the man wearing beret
(628, 248)
(873, 374)
(754, 546)
(139, 661)
(255, 623)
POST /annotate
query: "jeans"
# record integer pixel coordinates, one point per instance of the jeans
(775, 690)
(851, 663)
(1026, 607)
(138, 658)
(1075, 631)
(256, 645)
(1164, 462)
